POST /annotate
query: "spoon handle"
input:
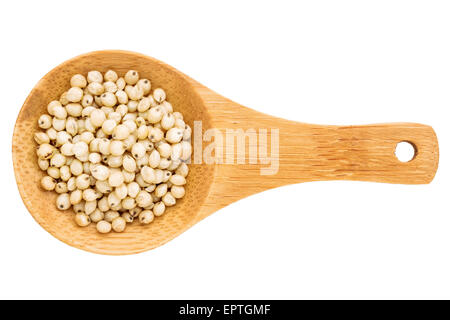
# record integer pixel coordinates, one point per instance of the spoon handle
(308, 152)
(364, 153)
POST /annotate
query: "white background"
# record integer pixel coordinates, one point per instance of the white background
(326, 62)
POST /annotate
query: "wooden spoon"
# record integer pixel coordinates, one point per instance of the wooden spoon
(306, 153)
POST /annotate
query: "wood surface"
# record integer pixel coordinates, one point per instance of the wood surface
(306, 153)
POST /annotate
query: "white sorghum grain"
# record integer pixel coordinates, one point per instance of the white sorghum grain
(60, 112)
(103, 204)
(54, 172)
(71, 184)
(103, 187)
(63, 99)
(116, 148)
(115, 161)
(87, 137)
(103, 146)
(58, 160)
(131, 77)
(111, 75)
(119, 224)
(90, 206)
(95, 157)
(41, 137)
(150, 188)
(113, 200)
(45, 151)
(178, 192)
(78, 80)
(76, 167)
(80, 149)
(177, 152)
(167, 121)
(115, 179)
(129, 163)
(82, 219)
(111, 215)
(94, 76)
(128, 176)
(178, 115)
(103, 226)
(97, 215)
(87, 100)
(82, 181)
(121, 83)
(110, 87)
(174, 135)
(133, 189)
(79, 207)
(45, 121)
(97, 117)
(108, 99)
(122, 109)
(132, 92)
(131, 124)
(155, 115)
(169, 199)
(89, 195)
(122, 97)
(143, 105)
(182, 170)
(138, 150)
(43, 164)
(155, 134)
(135, 212)
(154, 159)
(65, 173)
(121, 191)
(116, 116)
(74, 94)
(74, 109)
(146, 216)
(128, 217)
(164, 163)
(159, 176)
(143, 199)
(148, 174)
(51, 132)
(95, 89)
(145, 85)
(128, 203)
(52, 105)
(186, 150)
(132, 105)
(159, 208)
(161, 190)
(177, 180)
(59, 124)
(113, 148)
(100, 172)
(76, 196)
(108, 126)
(121, 132)
(159, 95)
(62, 201)
(167, 106)
(48, 183)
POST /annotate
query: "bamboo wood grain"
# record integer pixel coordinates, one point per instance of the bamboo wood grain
(306, 153)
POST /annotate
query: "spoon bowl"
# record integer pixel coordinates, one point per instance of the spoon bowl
(306, 152)
(40, 203)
